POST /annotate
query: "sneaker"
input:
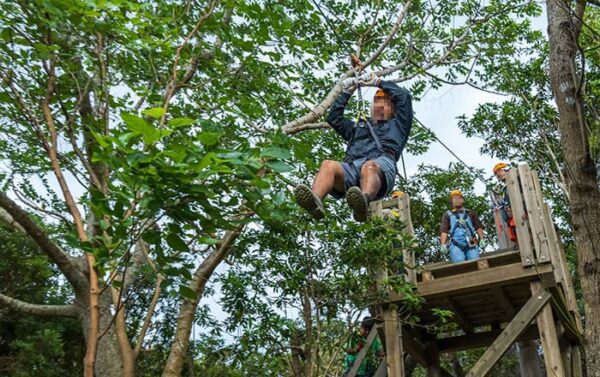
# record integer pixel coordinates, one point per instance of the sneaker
(309, 201)
(359, 203)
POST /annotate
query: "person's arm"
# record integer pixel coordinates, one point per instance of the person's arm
(403, 111)
(444, 229)
(477, 224)
(336, 119)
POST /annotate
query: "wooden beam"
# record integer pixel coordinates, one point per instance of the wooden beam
(363, 352)
(434, 369)
(483, 339)
(510, 334)
(393, 343)
(414, 347)
(576, 360)
(504, 302)
(518, 211)
(548, 336)
(408, 255)
(546, 242)
(534, 214)
(570, 329)
(480, 280)
(458, 316)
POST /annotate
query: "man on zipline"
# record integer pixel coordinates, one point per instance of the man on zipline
(374, 146)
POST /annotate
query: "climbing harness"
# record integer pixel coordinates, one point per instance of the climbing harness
(461, 219)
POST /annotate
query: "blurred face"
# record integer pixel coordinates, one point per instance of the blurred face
(501, 175)
(457, 201)
(364, 331)
(382, 109)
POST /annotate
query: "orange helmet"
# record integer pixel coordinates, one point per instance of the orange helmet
(498, 166)
(381, 93)
(456, 192)
(397, 194)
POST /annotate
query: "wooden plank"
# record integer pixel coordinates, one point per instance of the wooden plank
(510, 334)
(480, 280)
(576, 360)
(408, 255)
(546, 252)
(434, 369)
(569, 330)
(458, 316)
(504, 302)
(482, 339)
(414, 347)
(381, 370)
(534, 215)
(518, 211)
(548, 335)
(393, 344)
(442, 269)
(363, 352)
(568, 281)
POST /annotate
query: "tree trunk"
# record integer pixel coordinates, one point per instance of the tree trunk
(581, 173)
(109, 362)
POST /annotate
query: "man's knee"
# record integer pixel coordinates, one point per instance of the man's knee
(330, 166)
(370, 167)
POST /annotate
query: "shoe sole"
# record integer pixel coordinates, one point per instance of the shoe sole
(306, 199)
(356, 201)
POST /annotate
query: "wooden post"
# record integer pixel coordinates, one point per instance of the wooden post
(518, 211)
(548, 336)
(576, 360)
(534, 214)
(434, 367)
(508, 336)
(408, 255)
(391, 326)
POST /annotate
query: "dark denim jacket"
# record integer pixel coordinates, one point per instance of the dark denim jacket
(392, 134)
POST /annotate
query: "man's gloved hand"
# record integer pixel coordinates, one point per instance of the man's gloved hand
(444, 248)
(369, 79)
(349, 85)
(483, 244)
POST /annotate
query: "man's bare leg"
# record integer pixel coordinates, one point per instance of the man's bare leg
(370, 179)
(358, 198)
(330, 176)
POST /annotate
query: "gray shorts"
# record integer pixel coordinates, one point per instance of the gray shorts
(352, 175)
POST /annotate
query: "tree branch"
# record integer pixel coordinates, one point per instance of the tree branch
(75, 277)
(185, 321)
(322, 107)
(39, 310)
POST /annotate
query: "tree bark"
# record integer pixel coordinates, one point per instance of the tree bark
(185, 320)
(581, 173)
(109, 362)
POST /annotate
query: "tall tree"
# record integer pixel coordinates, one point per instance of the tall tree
(567, 79)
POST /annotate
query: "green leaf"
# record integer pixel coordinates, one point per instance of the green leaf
(155, 112)
(209, 138)
(174, 241)
(181, 122)
(279, 166)
(187, 292)
(276, 152)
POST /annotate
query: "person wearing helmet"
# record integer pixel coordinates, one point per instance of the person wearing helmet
(461, 232)
(374, 146)
(356, 342)
(505, 223)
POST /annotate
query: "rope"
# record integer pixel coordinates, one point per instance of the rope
(332, 27)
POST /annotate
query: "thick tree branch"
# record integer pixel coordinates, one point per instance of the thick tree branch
(319, 110)
(37, 309)
(185, 320)
(75, 277)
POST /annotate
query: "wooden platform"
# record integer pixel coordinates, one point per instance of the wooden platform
(479, 297)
